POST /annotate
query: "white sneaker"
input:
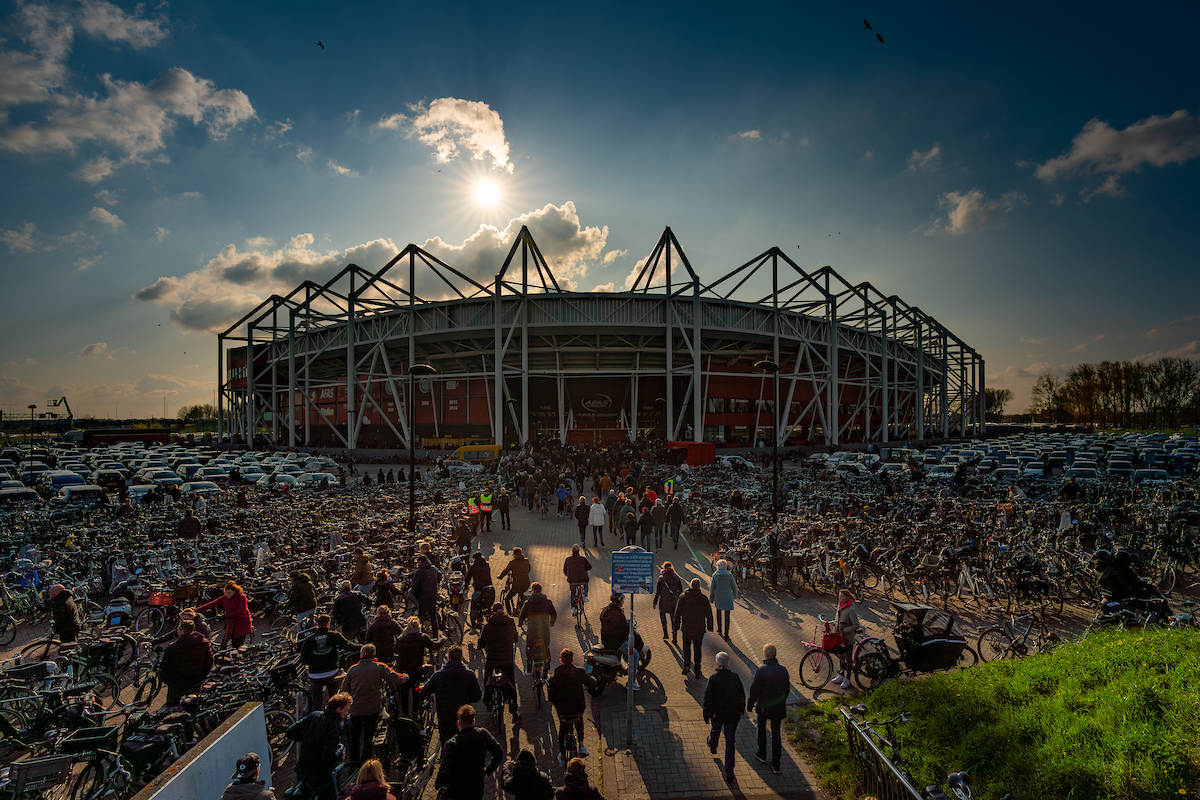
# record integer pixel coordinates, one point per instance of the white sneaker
(846, 684)
(583, 751)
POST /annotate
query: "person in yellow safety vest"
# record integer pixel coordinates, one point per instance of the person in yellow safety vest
(473, 513)
(485, 505)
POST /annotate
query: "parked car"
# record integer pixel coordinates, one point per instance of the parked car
(735, 462)
(194, 488)
(317, 479)
(109, 480)
(11, 498)
(88, 494)
(456, 465)
(1034, 469)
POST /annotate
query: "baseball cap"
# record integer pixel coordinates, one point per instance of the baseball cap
(246, 766)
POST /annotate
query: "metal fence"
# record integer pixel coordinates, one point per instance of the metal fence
(880, 778)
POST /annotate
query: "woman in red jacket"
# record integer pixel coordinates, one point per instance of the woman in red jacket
(238, 624)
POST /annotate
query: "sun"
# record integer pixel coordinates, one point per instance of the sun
(487, 193)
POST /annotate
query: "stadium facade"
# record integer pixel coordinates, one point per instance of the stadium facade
(521, 358)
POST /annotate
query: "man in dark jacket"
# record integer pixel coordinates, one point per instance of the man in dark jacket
(524, 781)
(321, 653)
(675, 516)
(498, 638)
(577, 570)
(188, 527)
(425, 588)
(246, 785)
(582, 512)
(479, 578)
(64, 614)
(410, 650)
(453, 686)
(693, 617)
(348, 610)
(320, 738)
(462, 770)
(518, 568)
(724, 703)
(185, 663)
(565, 692)
(769, 692)
(302, 597)
(576, 786)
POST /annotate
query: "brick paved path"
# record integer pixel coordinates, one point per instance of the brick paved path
(669, 757)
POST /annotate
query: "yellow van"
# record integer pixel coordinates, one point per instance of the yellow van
(477, 453)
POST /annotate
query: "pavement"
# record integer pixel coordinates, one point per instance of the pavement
(668, 756)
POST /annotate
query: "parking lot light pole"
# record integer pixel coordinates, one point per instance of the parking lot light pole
(413, 371)
(773, 368)
(32, 406)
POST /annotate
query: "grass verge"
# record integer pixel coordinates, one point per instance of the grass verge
(1115, 716)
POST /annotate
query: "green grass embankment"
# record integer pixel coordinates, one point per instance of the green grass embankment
(1116, 716)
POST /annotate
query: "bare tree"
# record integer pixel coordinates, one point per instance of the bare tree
(995, 400)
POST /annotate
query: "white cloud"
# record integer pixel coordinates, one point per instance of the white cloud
(105, 217)
(24, 362)
(613, 255)
(338, 169)
(97, 350)
(1079, 348)
(448, 124)
(230, 284)
(161, 233)
(928, 161)
(87, 263)
(753, 134)
(604, 287)
(28, 239)
(870, 154)
(106, 197)
(133, 118)
(1032, 340)
(279, 128)
(259, 242)
(804, 141)
(1189, 350)
(103, 19)
(971, 210)
(1101, 150)
(305, 154)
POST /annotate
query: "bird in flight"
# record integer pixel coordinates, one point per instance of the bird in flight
(867, 26)
(320, 45)
(879, 38)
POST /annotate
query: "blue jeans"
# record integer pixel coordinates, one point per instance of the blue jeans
(776, 742)
(714, 738)
(658, 533)
(597, 535)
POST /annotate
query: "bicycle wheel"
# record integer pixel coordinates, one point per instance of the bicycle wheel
(967, 658)
(151, 620)
(871, 670)
(41, 650)
(278, 722)
(8, 629)
(88, 784)
(452, 627)
(13, 717)
(538, 691)
(994, 643)
(816, 669)
(107, 690)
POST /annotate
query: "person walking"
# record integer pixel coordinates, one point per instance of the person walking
(185, 663)
(238, 624)
(666, 596)
(302, 597)
(246, 785)
(453, 687)
(646, 526)
(675, 517)
(473, 513)
(64, 613)
(575, 785)
(321, 653)
(597, 516)
(610, 509)
(565, 690)
(363, 576)
(693, 618)
(485, 506)
(425, 586)
(724, 704)
(383, 633)
(631, 529)
(462, 771)
(723, 590)
(769, 693)
(367, 683)
(348, 611)
(504, 503)
(524, 781)
(847, 626)
(583, 513)
(411, 647)
(659, 515)
(320, 738)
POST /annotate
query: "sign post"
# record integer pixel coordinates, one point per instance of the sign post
(632, 573)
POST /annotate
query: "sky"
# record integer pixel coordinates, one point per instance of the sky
(1026, 175)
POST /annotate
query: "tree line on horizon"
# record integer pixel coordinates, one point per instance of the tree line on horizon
(1127, 394)
(201, 411)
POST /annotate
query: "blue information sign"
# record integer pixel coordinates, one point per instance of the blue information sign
(633, 571)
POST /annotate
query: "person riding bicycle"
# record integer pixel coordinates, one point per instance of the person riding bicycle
(479, 578)
(498, 638)
(518, 568)
(541, 615)
(564, 689)
(614, 635)
(411, 646)
(576, 569)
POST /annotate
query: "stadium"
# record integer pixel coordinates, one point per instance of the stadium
(522, 358)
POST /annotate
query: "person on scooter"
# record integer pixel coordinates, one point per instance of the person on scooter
(614, 635)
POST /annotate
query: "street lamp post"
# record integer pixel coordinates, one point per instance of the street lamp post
(773, 368)
(32, 406)
(413, 371)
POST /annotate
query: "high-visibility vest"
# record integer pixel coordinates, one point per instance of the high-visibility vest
(472, 505)
(485, 502)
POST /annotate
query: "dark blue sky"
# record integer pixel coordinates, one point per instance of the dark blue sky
(1015, 171)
